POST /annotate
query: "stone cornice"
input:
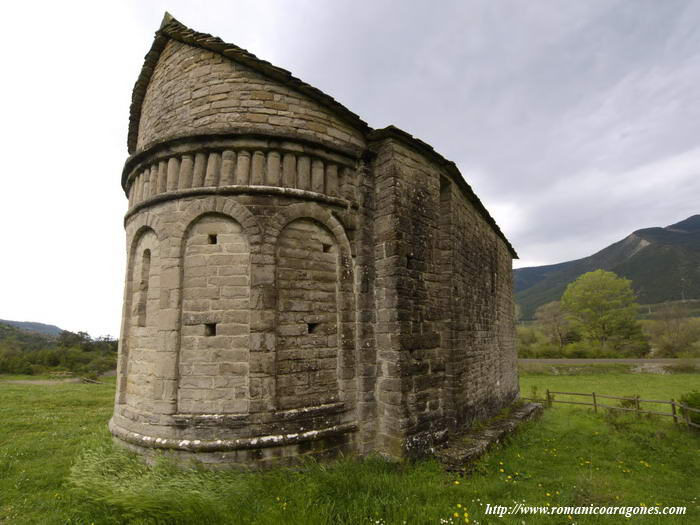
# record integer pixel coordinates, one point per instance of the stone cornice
(243, 138)
(239, 190)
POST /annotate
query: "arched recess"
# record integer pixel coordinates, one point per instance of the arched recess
(213, 364)
(224, 206)
(140, 330)
(313, 211)
(308, 326)
(345, 350)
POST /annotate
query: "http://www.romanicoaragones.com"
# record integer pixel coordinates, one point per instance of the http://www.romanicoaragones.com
(570, 511)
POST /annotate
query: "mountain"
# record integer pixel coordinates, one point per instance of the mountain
(15, 338)
(41, 328)
(662, 263)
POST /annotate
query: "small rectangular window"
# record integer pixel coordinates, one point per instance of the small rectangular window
(213, 238)
(326, 247)
(311, 327)
(210, 329)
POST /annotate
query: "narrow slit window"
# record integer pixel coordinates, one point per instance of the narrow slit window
(445, 189)
(326, 247)
(142, 304)
(311, 327)
(210, 329)
(213, 238)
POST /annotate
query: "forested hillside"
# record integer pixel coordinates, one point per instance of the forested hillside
(662, 263)
(28, 352)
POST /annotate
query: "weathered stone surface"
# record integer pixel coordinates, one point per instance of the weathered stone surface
(297, 284)
(465, 448)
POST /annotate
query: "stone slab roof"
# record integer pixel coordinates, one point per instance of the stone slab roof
(172, 29)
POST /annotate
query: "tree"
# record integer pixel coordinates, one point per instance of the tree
(68, 339)
(603, 307)
(554, 322)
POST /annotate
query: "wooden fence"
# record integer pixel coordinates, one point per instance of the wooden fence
(679, 411)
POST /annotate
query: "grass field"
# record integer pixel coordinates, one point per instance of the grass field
(57, 465)
(646, 386)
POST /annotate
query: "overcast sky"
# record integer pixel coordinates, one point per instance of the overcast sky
(575, 122)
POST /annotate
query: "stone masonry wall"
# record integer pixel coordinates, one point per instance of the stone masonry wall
(214, 349)
(195, 91)
(446, 351)
(222, 389)
(143, 285)
(415, 360)
(484, 364)
(307, 318)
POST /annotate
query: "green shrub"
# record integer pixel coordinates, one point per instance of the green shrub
(692, 400)
(629, 404)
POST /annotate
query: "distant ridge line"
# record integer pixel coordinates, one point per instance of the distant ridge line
(663, 264)
(32, 326)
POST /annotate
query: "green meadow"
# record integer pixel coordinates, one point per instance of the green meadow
(58, 466)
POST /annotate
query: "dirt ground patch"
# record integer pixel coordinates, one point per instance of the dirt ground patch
(41, 381)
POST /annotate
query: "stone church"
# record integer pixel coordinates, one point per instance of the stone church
(298, 283)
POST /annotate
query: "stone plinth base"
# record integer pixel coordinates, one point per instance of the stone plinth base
(250, 454)
(464, 449)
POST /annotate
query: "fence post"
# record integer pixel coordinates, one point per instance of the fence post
(673, 411)
(595, 404)
(687, 416)
(549, 399)
(636, 404)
